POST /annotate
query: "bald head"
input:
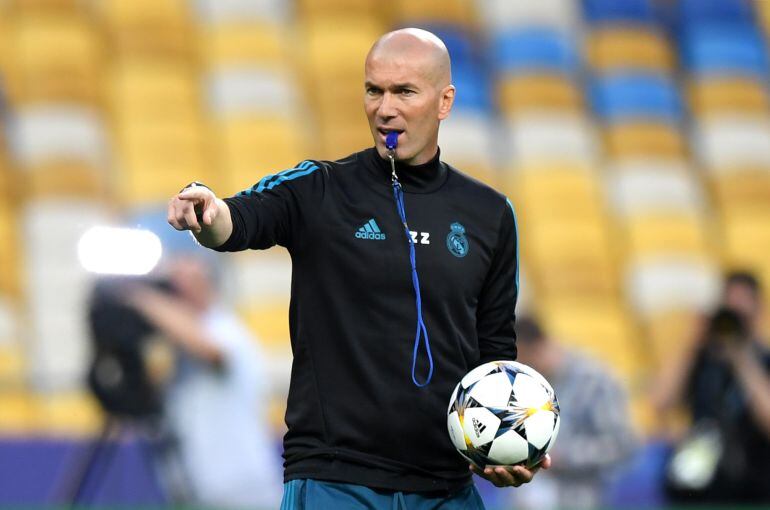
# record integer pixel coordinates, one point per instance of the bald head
(415, 45)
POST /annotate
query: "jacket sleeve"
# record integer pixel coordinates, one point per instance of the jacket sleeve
(496, 312)
(273, 211)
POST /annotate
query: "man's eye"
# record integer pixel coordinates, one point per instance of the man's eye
(372, 91)
(407, 92)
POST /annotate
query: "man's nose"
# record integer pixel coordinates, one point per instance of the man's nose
(387, 107)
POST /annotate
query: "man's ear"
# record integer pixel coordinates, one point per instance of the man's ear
(447, 99)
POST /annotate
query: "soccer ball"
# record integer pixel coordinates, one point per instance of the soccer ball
(503, 413)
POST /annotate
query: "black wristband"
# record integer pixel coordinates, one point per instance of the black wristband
(195, 184)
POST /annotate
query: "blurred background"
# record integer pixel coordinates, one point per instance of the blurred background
(632, 136)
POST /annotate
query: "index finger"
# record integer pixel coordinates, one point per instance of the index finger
(194, 194)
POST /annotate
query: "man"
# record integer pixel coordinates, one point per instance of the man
(367, 404)
(723, 381)
(596, 434)
(213, 402)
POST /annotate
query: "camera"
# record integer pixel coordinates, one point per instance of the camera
(726, 326)
(118, 375)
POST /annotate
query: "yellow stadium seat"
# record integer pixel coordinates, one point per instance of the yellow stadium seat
(269, 322)
(644, 139)
(602, 329)
(336, 48)
(576, 241)
(556, 192)
(53, 59)
(742, 192)
(71, 414)
(668, 334)
(339, 139)
(310, 9)
(252, 147)
(747, 241)
(459, 12)
(43, 6)
(141, 89)
(245, 43)
(64, 179)
(154, 28)
(17, 412)
(9, 250)
(538, 92)
(335, 101)
(664, 234)
(725, 95)
(620, 47)
(12, 365)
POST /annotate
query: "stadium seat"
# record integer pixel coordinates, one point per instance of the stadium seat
(600, 329)
(241, 43)
(459, 12)
(9, 250)
(695, 12)
(636, 96)
(473, 89)
(742, 192)
(725, 50)
(18, 414)
(466, 141)
(729, 95)
(160, 29)
(12, 356)
(72, 414)
(250, 90)
(747, 241)
(335, 49)
(614, 48)
(63, 178)
(618, 11)
(661, 234)
(637, 187)
(557, 192)
(53, 59)
(269, 322)
(634, 140)
(503, 14)
(250, 146)
(665, 284)
(58, 338)
(668, 333)
(733, 141)
(534, 50)
(555, 138)
(577, 243)
(46, 7)
(215, 12)
(546, 92)
(43, 134)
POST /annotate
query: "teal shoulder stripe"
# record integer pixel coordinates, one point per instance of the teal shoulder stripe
(516, 233)
(268, 179)
(291, 176)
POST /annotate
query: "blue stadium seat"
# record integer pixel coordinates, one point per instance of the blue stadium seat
(603, 11)
(473, 88)
(534, 49)
(695, 12)
(636, 96)
(725, 49)
(457, 40)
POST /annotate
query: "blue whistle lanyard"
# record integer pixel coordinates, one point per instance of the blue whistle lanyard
(398, 194)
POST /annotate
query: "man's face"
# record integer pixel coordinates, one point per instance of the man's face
(741, 298)
(401, 96)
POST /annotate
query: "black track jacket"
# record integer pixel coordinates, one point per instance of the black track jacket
(354, 415)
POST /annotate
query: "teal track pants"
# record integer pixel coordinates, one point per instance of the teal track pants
(309, 494)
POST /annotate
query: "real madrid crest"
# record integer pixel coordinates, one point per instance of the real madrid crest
(456, 242)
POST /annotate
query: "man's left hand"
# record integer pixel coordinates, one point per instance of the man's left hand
(511, 476)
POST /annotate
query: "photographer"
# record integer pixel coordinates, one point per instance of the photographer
(723, 381)
(212, 402)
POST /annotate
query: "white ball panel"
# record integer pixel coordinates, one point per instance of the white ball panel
(529, 392)
(493, 390)
(477, 373)
(555, 433)
(452, 400)
(456, 431)
(539, 428)
(509, 449)
(480, 425)
(534, 373)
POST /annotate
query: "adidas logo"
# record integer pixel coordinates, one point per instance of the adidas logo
(478, 427)
(370, 230)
